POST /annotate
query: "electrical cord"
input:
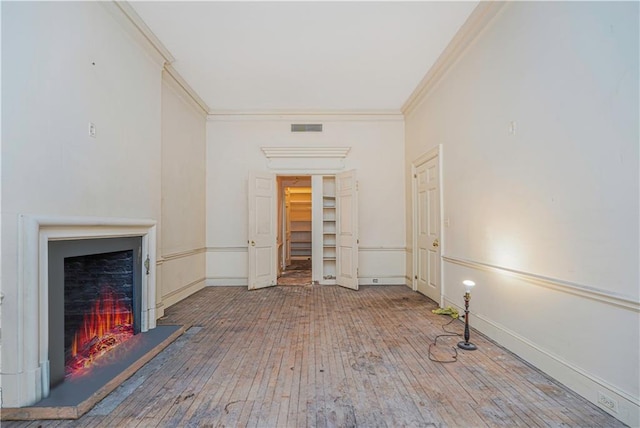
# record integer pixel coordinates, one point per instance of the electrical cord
(454, 358)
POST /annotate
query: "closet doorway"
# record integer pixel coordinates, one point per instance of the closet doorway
(295, 227)
(283, 241)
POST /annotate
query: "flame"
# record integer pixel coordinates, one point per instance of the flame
(106, 325)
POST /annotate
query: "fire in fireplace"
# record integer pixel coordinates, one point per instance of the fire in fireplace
(108, 324)
(94, 289)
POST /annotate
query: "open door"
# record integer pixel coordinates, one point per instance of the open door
(263, 270)
(347, 230)
(426, 228)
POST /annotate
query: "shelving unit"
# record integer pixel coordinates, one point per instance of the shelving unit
(299, 216)
(328, 230)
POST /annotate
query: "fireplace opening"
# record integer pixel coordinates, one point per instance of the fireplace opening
(94, 302)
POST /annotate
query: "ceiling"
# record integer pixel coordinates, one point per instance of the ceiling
(304, 56)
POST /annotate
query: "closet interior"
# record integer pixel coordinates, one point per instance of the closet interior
(307, 226)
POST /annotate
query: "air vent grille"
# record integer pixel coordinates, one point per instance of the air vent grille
(306, 127)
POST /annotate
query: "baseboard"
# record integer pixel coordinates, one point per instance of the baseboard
(574, 378)
(226, 281)
(182, 293)
(382, 280)
(242, 281)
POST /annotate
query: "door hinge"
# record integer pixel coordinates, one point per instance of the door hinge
(147, 264)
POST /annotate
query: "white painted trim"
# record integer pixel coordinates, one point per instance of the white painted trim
(32, 323)
(183, 292)
(477, 21)
(299, 116)
(120, 16)
(305, 160)
(183, 254)
(142, 27)
(188, 90)
(585, 291)
(382, 280)
(566, 373)
(235, 249)
(156, 48)
(384, 249)
(305, 152)
(179, 89)
(220, 281)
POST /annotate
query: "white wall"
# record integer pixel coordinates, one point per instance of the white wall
(65, 65)
(182, 225)
(546, 220)
(233, 149)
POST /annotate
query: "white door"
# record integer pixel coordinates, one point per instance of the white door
(427, 228)
(347, 230)
(262, 230)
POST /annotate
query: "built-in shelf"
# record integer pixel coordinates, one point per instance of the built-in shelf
(329, 230)
(298, 205)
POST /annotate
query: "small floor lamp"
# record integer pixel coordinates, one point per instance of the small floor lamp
(466, 345)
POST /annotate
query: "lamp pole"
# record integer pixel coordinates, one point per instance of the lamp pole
(466, 345)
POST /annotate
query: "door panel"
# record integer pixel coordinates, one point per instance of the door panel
(347, 230)
(262, 230)
(427, 198)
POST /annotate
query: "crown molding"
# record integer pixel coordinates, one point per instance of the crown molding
(129, 12)
(475, 24)
(157, 48)
(188, 90)
(302, 115)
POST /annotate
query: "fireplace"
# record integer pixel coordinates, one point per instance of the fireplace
(26, 369)
(94, 302)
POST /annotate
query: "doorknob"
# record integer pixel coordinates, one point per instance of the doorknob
(253, 244)
(436, 243)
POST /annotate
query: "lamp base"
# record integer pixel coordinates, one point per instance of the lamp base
(467, 346)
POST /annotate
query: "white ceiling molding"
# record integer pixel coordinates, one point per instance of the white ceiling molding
(470, 30)
(169, 80)
(137, 21)
(292, 116)
(179, 80)
(293, 159)
(129, 12)
(132, 30)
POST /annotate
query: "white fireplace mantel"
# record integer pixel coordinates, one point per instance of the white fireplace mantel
(30, 381)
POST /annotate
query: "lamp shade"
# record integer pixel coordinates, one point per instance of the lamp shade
(468, 285)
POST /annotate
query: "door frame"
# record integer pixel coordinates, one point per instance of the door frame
(435, 153)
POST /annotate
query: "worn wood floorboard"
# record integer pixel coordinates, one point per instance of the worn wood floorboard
(324, 356)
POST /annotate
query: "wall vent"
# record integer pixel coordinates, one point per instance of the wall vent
(306, 127)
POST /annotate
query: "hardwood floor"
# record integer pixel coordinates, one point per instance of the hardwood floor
(324, 356)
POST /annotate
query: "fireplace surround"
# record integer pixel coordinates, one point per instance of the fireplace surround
(26, 367)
